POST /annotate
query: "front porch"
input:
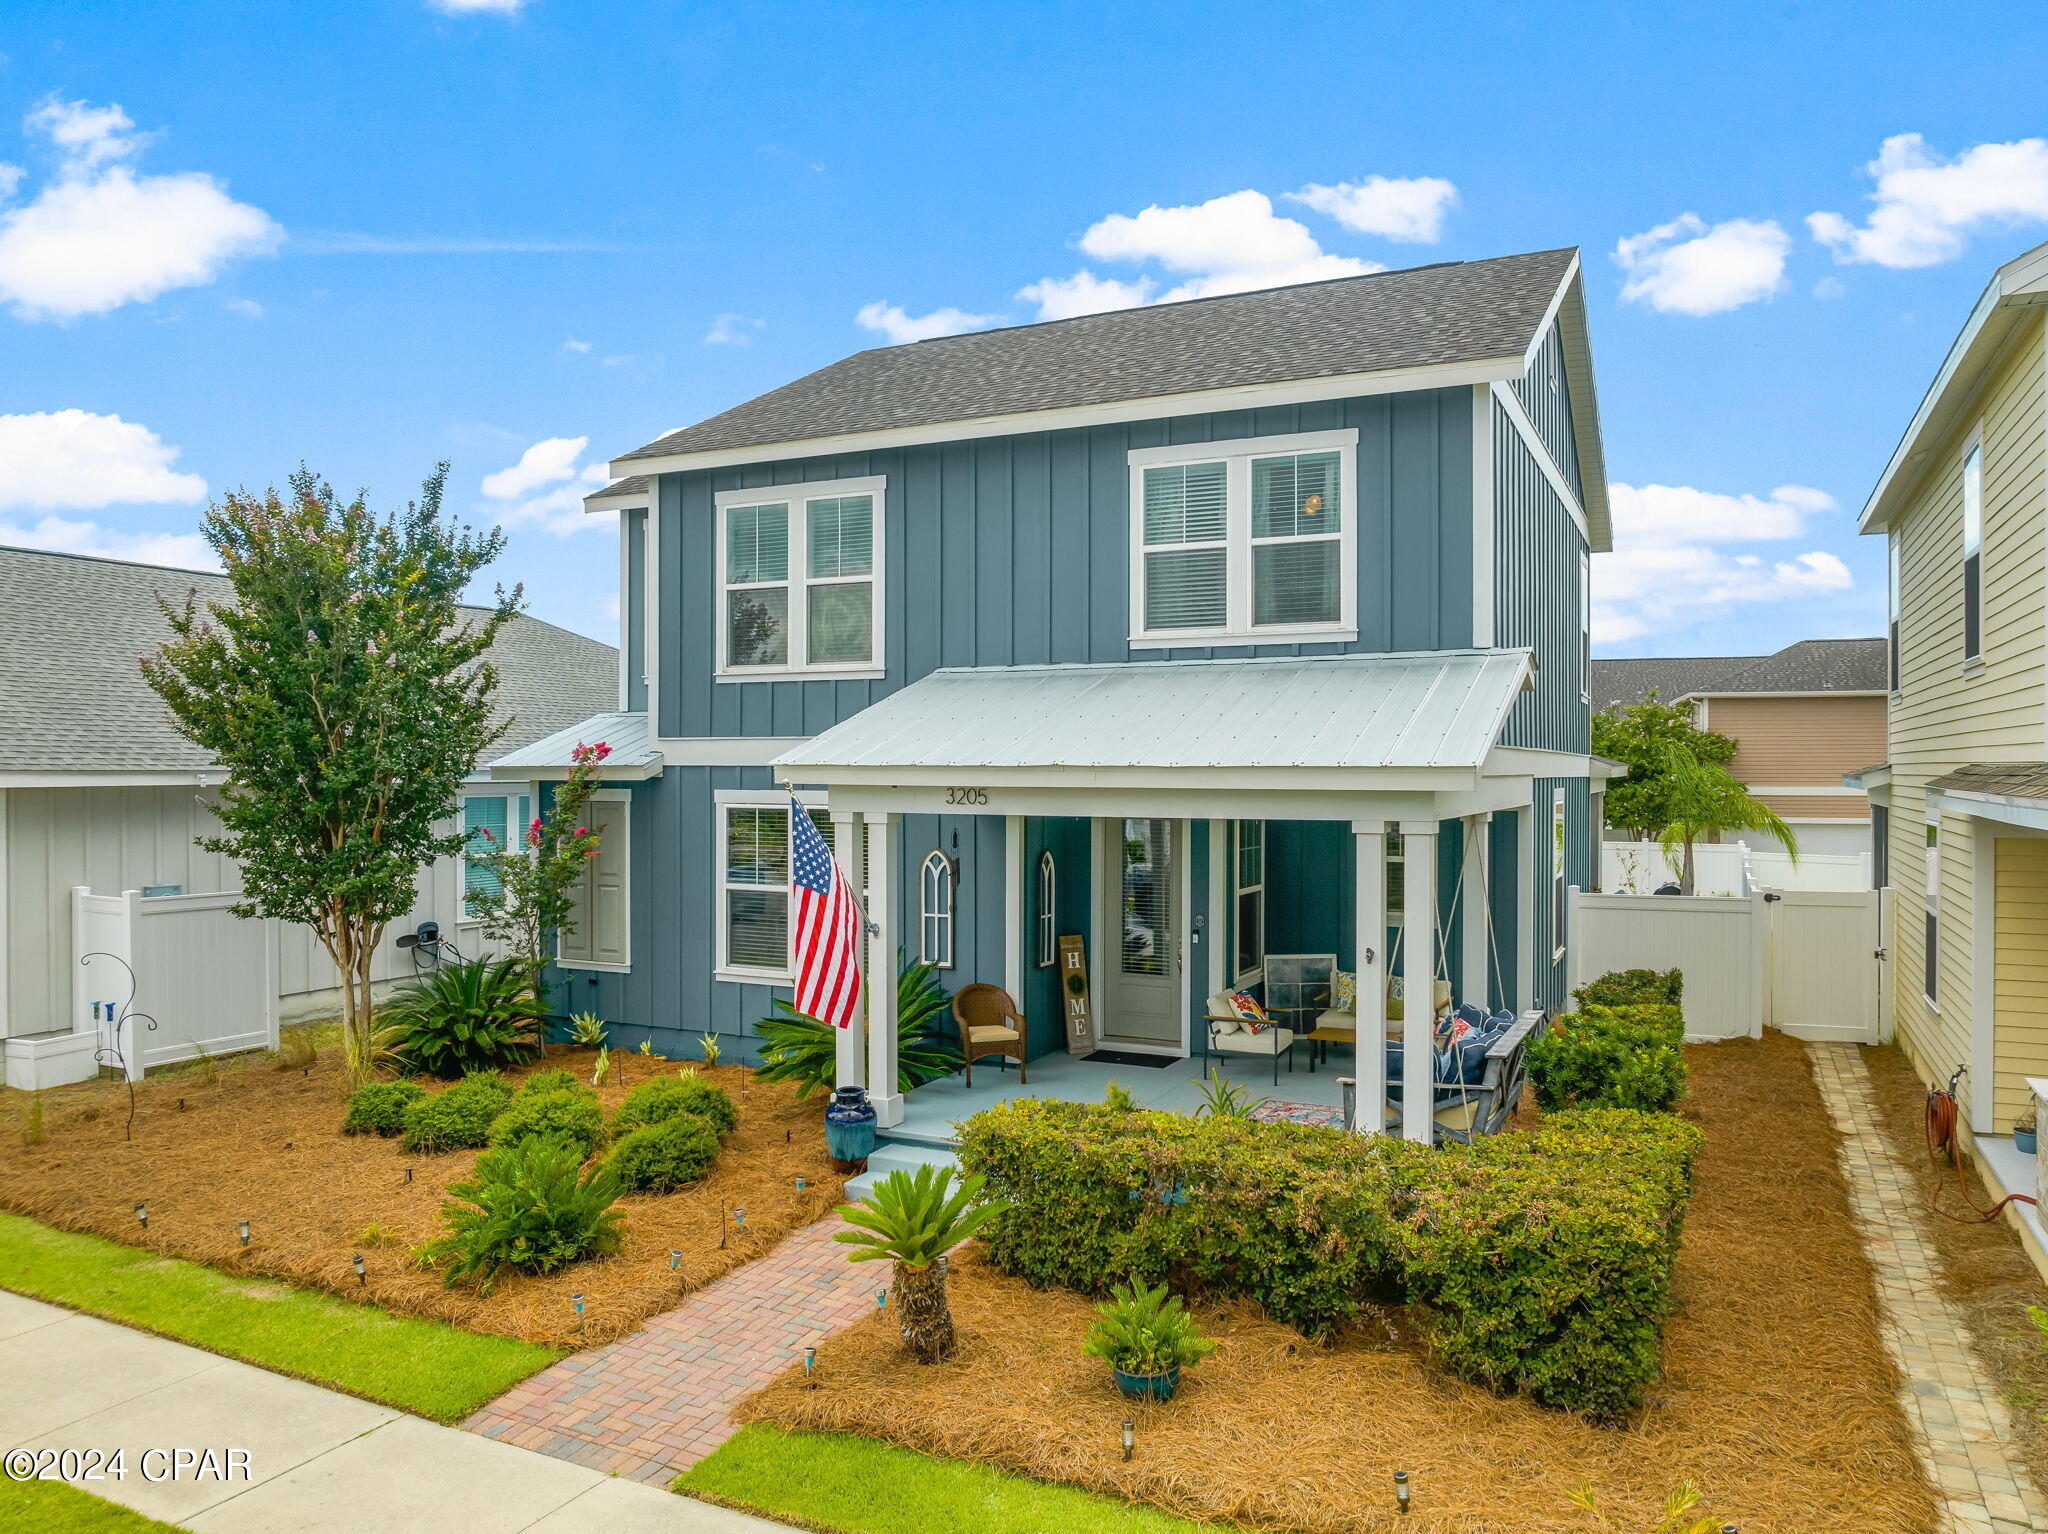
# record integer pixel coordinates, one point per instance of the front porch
(932, 1112)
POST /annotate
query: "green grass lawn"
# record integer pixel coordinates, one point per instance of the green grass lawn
(858, 1486)
(51, 1507)
(427, 1367)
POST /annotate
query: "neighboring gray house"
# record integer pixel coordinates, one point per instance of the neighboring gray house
(1195, 632)
(99, 790)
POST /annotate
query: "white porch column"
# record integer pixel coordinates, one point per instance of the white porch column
(1369, 934)
(881, 975)
(1014, 914)
(851, 1045)
(1418, 975)
(1477, 903)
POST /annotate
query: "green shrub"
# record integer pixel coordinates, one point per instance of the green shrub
(457, 1117)
(661, 1158)
(529, 1206)
(1145, 1331)
(659, 1100)
(1611, 1057)
(379, 1108)
(1628, 987)
(550, 1081)
(466, 1017)
(574, 1117)
(803, 1050)
(1545, 1254)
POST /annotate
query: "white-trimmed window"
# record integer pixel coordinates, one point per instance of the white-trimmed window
(1557, 900)
(801, 580)
(1249, 539)
(1585, 626)
(1048, 911)
(491, 823)
(1250, 852)
(603, 892)
(935, 883)
(1973, 552)
(1930, 940)
(752, 833)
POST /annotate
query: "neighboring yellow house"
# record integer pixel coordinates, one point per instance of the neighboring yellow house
(1962, 801)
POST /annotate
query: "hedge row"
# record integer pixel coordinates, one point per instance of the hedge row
(1611, 1057)
(1546, 1255)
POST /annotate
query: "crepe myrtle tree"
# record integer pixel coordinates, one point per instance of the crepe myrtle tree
(345, 693)
(538, 873)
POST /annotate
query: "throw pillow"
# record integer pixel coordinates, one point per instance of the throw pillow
(1344, 991)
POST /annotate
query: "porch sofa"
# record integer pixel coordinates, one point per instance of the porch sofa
(1490, 1074)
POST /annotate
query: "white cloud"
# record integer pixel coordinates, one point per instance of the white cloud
(545, 488)
(74, 460)
(571, 344)
(890, 321)
(732, 330)
(1669, 568)
(1062, 298)
(1685, 267)
(477, 7)
(187, 551)
(97, 235)
(1927, 207)
(247, 308)
(1230, 244)
(10, 178)
(1406, 208)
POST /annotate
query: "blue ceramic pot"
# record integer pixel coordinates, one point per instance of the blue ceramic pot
(1149, 1387)
(850, 1128)
(2023, 1140)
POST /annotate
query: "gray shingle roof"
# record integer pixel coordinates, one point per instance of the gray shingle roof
(1617, 682)
(73, 630)
(632, 484)
(1811, 665)
(1452, 312)
(2013, 780)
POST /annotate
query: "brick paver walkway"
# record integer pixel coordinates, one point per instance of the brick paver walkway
(1960, 1421)
(651, 1405)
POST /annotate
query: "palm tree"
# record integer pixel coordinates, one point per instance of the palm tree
(1704, 801)
(915, 1220)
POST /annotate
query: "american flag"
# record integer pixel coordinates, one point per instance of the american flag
(829, 926)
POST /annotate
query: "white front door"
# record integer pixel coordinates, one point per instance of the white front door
(1141, 928)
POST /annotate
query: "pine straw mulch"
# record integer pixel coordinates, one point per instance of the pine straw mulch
(1778, 1400)
(245, 1139)
(1985, 1273)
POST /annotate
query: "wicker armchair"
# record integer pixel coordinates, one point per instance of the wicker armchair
(990, 1024)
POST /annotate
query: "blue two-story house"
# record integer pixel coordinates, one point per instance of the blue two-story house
(1202, 632)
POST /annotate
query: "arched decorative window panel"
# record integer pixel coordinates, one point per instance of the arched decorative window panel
(935, 911)
(1048, 911)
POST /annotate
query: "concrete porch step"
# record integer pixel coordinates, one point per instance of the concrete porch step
(895, 1156)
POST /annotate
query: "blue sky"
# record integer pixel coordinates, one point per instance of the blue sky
(376, 235)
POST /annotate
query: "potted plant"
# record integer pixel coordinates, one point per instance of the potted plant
(1146, 1338)
(2023, 1132)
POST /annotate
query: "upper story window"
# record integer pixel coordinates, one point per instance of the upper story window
(1585, 626)
(1973, 552)
(801, 583)
(1249, 539)
(1892, 597)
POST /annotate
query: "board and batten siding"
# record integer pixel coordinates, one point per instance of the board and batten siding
(1546, 397)
(1537, 570)
(1015, 550)
(2020, 975)
(1945, 716)
(633, 610)
(1800, 742)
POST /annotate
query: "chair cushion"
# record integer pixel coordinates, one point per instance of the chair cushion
(1224, 1027)
(1336, 1019)
(990, 1035)
(1272, 1041)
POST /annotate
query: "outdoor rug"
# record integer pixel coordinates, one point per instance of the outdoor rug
(1278, 1110)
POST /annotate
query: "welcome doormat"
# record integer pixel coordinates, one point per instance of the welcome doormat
(1129, 1057)
(1278, 1110)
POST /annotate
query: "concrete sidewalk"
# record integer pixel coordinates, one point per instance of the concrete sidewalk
(320, 1462)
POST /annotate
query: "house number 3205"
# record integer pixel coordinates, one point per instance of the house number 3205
(967, 796)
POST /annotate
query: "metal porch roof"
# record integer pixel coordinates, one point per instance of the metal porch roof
(1439, 708)
(633, 753)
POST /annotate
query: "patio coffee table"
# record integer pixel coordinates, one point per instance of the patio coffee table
(1322, 1037)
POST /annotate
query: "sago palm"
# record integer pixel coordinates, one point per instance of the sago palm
(915, 1219)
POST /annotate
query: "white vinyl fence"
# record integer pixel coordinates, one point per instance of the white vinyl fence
(1803, 961)
(1727, 868)
(158, 979)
